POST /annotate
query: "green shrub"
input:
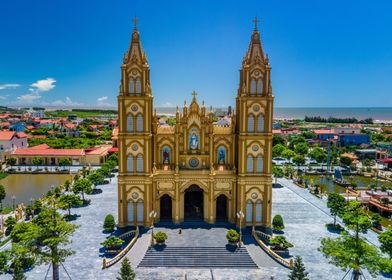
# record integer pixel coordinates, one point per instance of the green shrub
(109, 224)
(160, 237)
(232, 235)
(113, 243)
(277, 223)
(280, 243)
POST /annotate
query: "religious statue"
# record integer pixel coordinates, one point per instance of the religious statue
(221, 157)
(194, 142)
(166, 159)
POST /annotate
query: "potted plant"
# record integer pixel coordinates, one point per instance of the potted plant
(113, 243)
(232, 236)
(280, 245)
(160, 237)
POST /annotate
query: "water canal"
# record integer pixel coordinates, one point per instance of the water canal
(27, 187)
(328, 185)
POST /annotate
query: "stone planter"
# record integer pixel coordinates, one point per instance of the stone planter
(233, 243)
(282, 253)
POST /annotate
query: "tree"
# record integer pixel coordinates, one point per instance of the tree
(298, 272)
(109, 224)
(345, 161)
(385, 239)
(67, 185)
(82, 186)
(279, 242)
(301, 148)
(37, 161)
(96, 178)
(11, 161)
(126, 271)
(288, 154)
(299, 160)
(318, 154)
(17, 274)
(277, 139)
(51, 233)
(277, 150)
(4, 257)
(64, 162)
(351, 251)
(2, 195)
(277, 223)
(278, 173)
(67, 201)
(10, 222)
(336, 204)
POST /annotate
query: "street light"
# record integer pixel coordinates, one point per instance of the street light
(13, 201)
(152, 215)
(31, 200)
(240, 216)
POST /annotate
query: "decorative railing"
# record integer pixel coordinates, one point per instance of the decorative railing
(269, 251)
(119, 256)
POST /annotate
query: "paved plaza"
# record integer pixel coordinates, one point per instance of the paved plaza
(304, 216)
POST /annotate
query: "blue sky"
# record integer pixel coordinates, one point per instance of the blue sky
(322, 53)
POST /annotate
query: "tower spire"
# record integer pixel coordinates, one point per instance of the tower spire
(256, 22)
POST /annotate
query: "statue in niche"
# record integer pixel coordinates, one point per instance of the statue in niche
(194, 141)
(222, 156)
(166, 155)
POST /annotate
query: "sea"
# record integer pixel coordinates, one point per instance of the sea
(378, 114)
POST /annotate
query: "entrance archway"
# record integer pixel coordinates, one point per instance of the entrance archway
(221, 208)
(166, 207)
(193, 203)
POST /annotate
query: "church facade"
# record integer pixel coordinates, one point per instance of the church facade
(199, 168)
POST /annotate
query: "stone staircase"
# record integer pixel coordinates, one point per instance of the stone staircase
(197, 257)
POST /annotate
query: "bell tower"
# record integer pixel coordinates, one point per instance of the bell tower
(254, 111)
(135, 103)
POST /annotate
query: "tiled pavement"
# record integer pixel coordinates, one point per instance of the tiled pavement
(304, 222)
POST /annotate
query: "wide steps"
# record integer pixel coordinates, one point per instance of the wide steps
(200, 257)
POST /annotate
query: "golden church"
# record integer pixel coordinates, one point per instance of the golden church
(197, 169)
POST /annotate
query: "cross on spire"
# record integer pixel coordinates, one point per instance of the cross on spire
(194, 94)
(256, 22)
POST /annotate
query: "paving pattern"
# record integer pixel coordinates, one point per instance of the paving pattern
(304, 216)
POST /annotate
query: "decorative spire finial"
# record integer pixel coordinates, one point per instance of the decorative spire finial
(194, 94)
(256, 22)
(135, 20)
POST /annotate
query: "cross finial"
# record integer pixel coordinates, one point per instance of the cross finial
(256, 22)
(194, 94)
(135, 20)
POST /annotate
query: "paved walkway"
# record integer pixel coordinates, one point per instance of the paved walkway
(305, 217)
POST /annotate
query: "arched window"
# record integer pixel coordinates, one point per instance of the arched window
(249, 164)
(140, 211)
(166, 154)
(130, 164)
(249, 211)
(259, 86)
(251, 123)
(260, 123)
(140, 163)
(259, 211)
(130, 123)
(130, 211)
(259, 164)
(221, 155)
(138, 86)
(139, 123)
(131, 85)
(252, 87)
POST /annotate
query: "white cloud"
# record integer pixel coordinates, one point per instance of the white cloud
(67, 102)
(103, 98)
(167, 104)
(3, 97)
(9, 86)
(43, 85)
(28, 98)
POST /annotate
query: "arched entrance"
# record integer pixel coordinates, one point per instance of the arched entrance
(221, 208)
(166, 207)
(193, 203)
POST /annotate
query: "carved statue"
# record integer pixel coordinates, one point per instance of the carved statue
(221, 157)
(194, 142)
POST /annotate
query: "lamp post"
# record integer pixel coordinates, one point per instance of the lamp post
(13, 201)
(153, 214)
(31, 200)
(240, 216)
